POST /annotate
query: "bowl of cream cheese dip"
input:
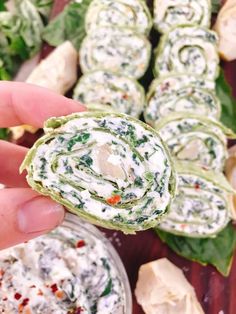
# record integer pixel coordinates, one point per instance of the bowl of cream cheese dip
(72, 270)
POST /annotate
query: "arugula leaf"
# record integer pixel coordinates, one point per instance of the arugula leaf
(69, 25)
(228, 103)
(3, 134)
(216, 251)
(215, 6)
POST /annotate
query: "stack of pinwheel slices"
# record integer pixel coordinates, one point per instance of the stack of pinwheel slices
(114, 54)
(183, 107)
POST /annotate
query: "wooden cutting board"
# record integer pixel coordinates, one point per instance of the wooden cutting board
(216, 293)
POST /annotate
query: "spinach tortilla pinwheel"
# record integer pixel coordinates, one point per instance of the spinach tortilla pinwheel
(115, 49)
(100, 108)
(202, 205)
(196, 139)
(132, 14)
(172, 13)
(188, 49)
(110, 169)
(181, 93)
(123, 94)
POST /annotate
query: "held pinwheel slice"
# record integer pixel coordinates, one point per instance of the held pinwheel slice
(181, 93)
(172, 13)
(196, 139)
(188, 49)
(110, 169)
(132, 14)
(115, 49)
(203, 203)
(123, 94)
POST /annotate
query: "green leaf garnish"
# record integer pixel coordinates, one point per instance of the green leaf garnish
(228, 103)
(216, 251)
(69, 25)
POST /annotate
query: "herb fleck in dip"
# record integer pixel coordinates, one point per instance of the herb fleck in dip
(62, 272)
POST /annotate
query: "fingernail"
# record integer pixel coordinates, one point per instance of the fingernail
(79, 105)
(39, 215)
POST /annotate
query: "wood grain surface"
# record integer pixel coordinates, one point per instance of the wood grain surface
(216, 293)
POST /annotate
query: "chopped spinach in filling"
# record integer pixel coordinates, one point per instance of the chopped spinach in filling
(132, 14)
(196, 139)
(172, 13)
(64, 272)
(181, 93)
(121, 93)
(188, 49)
(115, 49)
(202, 205)
(111, 169)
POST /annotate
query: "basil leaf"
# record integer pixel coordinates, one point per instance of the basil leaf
(216, 251)
(69, 25)
(43, 6)
(2, 5)
(215, 6)
(3, 133)
(228, 103)
(20, 33)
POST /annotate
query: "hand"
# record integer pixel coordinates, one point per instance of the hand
(24, 214)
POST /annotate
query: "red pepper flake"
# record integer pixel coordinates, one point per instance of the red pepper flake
(183, 226)
(5, 299)
(197, 186)
(80, 244)
(60, 294)
(125, 96)
(33, 286)
(1, 273)
(25, 302)
(40, 292)
(54, 288)
(17, 296)
(22, 305)
(79, 310)
(114, 200)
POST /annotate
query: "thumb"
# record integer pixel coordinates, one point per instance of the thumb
(25, 215)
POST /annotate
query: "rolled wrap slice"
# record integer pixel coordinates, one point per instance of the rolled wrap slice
(196, 139)
(115, 49)
(100, 108)
(202, 205)
(132, 14)
(188, 49)
(123, 94)
(181, 93)
(110, 169)
(172, 13)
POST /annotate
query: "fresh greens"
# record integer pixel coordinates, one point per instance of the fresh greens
(228, 103)
(216, 4)
(43, 7)
(216, 251)
(2, 5)
(3, 134)
(20, 35)
(69, 25)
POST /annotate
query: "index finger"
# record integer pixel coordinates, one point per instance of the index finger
(22, 103)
